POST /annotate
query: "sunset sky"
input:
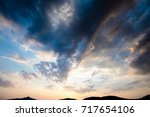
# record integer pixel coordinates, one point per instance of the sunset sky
(54, 49)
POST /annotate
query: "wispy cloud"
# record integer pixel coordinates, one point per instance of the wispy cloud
(16, 58)
(5, 83)
(29, 76)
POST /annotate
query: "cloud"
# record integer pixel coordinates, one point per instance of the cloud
(5, 83)
(49, 87)
(5, 23)
(16, 58)
(61, 15)
(19, 11)
(79, 90)
(29, 75)
(88, 84)
(143, 42)
(142, 61)
(86, 87)
(118, 32)
(29, 45)
(95, 73)
(56, 71)
(120, 24)
(10, 30)
(46, 56)
(145, 82)
(102, 29)
(75, 21)
(33, 16)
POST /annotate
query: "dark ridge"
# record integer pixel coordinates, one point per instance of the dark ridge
(147, 97)
(68, 99)
(25, 98)
(105, 98)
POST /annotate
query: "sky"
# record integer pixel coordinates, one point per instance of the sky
(55, 49)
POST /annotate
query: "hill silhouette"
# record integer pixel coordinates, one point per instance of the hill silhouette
(147, 97)
(24, 98)
(68, 99)
(105, 98)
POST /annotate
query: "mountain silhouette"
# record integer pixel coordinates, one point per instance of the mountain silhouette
(105, 98)
(25, 98)
(68, 99)
(147, 97)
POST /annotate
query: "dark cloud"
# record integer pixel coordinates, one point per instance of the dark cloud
(142, 62)
(128, 23)
(22, 12)
(132, 19)
(124, 26)
(144, 43)
(33, 15)
(5, 83)
(28, 76)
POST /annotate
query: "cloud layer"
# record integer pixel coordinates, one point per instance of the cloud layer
(80, 45)
(5, 83)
